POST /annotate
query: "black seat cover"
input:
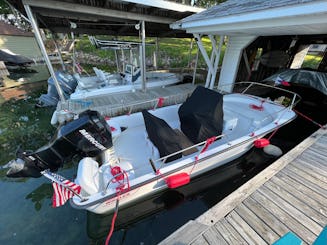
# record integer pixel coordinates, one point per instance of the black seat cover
(162, 136)
(201, 115)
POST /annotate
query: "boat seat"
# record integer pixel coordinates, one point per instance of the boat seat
(100, 74)
(185, 142)
(88, 176)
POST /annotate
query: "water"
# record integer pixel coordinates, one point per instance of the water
(28, 218)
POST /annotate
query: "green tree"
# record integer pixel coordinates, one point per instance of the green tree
(4, 9)
(11, 16)
(208, 3)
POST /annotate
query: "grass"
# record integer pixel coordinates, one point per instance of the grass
(173, 52)
(312, 61)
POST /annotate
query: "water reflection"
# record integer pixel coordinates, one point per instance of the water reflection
(38, 196)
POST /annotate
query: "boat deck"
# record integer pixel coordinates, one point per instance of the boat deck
(128, 102)
(289, 195)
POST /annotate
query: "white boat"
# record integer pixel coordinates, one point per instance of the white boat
(133, 156)
(106, 83)
(143, 171)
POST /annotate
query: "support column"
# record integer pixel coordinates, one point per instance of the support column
(217, 52)
(155, 55)
(59, 53)
(195, 65)
(43, 50)
(143, 68)
(205, 56)
(213, 62)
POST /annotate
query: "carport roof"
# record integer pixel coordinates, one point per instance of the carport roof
(115, 17)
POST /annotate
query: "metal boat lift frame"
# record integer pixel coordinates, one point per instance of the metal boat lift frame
(81, 9)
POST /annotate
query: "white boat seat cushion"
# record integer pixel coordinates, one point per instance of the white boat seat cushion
(88, 175)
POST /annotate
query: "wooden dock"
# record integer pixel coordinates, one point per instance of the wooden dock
(289, 195)
(128, 102)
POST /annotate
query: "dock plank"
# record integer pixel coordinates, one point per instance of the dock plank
(297, 202)
(212, 236)
(200, 241)
(185, 234)
(229, 233)
(266, 216)
(257, 224)
(292, 224)
(304, 197)
(311, 169)
(289, 195)
(128, 102)
(245, 230)
(307, 180)
(291, 210)
(299, 185)
(231, 201)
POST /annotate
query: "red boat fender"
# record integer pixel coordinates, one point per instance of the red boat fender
(260, 143)
(177, 180)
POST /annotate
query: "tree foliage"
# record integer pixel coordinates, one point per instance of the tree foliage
(11, 16)
(208, 3)
(4, 9)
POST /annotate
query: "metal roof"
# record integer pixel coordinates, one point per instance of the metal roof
(258, 17)
(110, 17)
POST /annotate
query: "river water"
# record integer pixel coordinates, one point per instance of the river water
(27, 216)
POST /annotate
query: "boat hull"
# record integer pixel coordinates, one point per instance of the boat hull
(203, 165)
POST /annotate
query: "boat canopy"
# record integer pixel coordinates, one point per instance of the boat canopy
(310, 78)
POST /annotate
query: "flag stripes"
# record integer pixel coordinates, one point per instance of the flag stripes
(63, 189)
(63, 192)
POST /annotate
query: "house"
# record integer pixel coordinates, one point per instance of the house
(18, 41)
(262, 36)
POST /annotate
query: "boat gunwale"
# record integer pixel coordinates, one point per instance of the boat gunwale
(82, 204)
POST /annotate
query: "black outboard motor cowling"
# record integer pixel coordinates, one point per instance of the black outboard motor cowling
(89, 135)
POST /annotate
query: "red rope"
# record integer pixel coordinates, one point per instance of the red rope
(113, 221)
(308, 118)
(205, 147)
(272, 134)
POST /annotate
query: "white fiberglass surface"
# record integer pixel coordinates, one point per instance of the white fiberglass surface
(133, 146)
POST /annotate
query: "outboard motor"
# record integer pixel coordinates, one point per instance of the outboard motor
(89, 135)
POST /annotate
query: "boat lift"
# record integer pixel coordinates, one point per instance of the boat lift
(80, 10)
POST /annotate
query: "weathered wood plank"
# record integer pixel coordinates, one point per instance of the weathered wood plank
(212, 236)
(120, 103)
(244, 229)
(312, 156)
(304, 196)
(185, 234)
(311, 169)
(292, 224)
(231, 201)
(200, 240)
(299, 185)
(297, 203)
(229, 233)
(289, 195)
(266, 216)
(257, 224)
(309, 181)
(291, 210)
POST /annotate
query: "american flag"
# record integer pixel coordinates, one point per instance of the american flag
(63, 188)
